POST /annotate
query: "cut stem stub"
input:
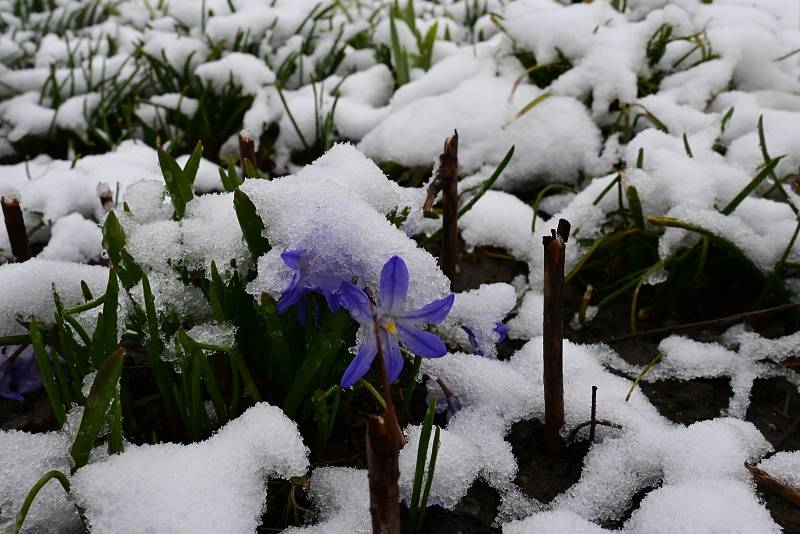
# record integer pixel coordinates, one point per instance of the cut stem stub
(15, 226)
(554, 251)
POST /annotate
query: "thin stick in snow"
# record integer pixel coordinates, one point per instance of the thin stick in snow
(554, 248)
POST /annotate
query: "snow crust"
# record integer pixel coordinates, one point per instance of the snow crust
(213, 486)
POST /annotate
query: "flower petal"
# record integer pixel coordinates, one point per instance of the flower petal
(361, 361)
(291, 294)
(292, 257)
(331, 298)
(392, 356)
(501, 328)
(473, 340)
(354, 300)
(394, 284)
(421, 343)
(433, 313)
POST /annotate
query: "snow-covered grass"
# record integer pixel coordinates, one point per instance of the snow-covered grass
(663, 130)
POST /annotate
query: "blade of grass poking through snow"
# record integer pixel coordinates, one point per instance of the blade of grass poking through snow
(101, 396)
(762, 142)
(115, 443)
(401, 69)
(604, 241)
(230, 180)
(200, 362)
(751, 186)
(297, 129)
(635, 300)
(426, 47)
(485, 186)
(251, 224)
(635, 207)
(325, 345)
(540, 197)
(532, 104)
(19, 520)
(46, 372)
(419, 471)
(108, 336)
(179, 181)
(428, 482)
(641, 375)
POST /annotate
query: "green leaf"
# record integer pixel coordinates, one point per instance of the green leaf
(19, 520)
(100, 398)
(426, 47)
(635, 207)
(46, 372)
(324, 346)
(400, 55)
(113, 237)
(192, 165)
(251, 224)
(177, 182)
(419, 472)
(231, 179)
(751, 186)
(109, 334)
(277, 337)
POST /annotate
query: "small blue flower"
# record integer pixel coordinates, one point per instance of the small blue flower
(19, 375)
(397, 325)
(301, 283)
(499, 327)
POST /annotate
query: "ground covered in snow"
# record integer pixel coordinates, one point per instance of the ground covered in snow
(663, 130)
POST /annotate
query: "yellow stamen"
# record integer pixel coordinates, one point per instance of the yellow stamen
(391, 327)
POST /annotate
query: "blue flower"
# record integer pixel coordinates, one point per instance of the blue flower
(297, 259)
(397, 324)
(19, 375)
(499, 327)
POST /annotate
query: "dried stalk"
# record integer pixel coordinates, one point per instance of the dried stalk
(774, 485)
(712, 323)
(15, 226)
(384, 441)
(446, 181)
(554, 249)
(593, 420)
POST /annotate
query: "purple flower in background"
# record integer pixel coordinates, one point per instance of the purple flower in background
(297, 260)
(499, 327)
(397, 324)
(473, 340)
(19, 375)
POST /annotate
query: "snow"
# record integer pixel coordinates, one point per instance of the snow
(325, 219)
(785, 466)
(336, 209)
(27, 289)
(243, 70)
(24, 459)
(74, 239)
(341, 498)
(213, 486)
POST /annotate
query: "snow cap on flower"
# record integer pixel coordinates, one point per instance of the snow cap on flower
(396, 323)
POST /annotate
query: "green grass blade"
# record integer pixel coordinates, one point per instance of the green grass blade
(419, 471)
(101, 396)
(751, 186)
(46, 372)
(251, 224)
